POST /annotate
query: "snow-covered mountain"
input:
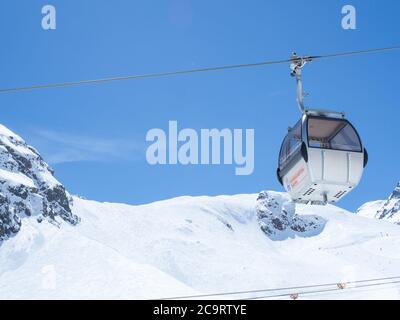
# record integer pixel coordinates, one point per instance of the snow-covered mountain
(181, 246)
(388, 210)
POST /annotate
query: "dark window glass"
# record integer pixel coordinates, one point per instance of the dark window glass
(332, 134)
(290, 145)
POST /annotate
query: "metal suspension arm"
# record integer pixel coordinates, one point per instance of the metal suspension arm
(296, 65)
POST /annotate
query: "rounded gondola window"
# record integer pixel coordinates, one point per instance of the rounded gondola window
(291, 145)
(336, 134)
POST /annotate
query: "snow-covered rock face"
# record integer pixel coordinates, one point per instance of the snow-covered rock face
(28, 187)
(278, 220)
(388, 210)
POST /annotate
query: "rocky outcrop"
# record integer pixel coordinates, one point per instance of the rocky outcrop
(28, 187)
(278, 219)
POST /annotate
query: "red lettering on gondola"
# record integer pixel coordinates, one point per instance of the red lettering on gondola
(293, 180)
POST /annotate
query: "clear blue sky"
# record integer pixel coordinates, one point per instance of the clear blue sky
(94, 136)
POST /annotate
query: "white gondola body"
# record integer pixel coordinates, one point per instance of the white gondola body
(317, 175)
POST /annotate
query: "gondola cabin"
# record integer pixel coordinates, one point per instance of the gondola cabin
(321, 158)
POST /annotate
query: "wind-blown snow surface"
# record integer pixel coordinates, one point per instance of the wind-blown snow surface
(194, 245)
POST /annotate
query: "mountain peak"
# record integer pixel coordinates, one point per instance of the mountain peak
(28, 187)
(388, 210)
(396, 192)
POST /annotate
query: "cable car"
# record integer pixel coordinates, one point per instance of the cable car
(322, 157)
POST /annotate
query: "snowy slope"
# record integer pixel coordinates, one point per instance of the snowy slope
(192, 245)
(388, 210)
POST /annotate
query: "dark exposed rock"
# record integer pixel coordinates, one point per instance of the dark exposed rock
(10, 223)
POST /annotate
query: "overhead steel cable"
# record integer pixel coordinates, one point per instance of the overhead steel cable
(232, 293)
(323, 291)
(190, 71)
(142, 76)
(358, 52)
